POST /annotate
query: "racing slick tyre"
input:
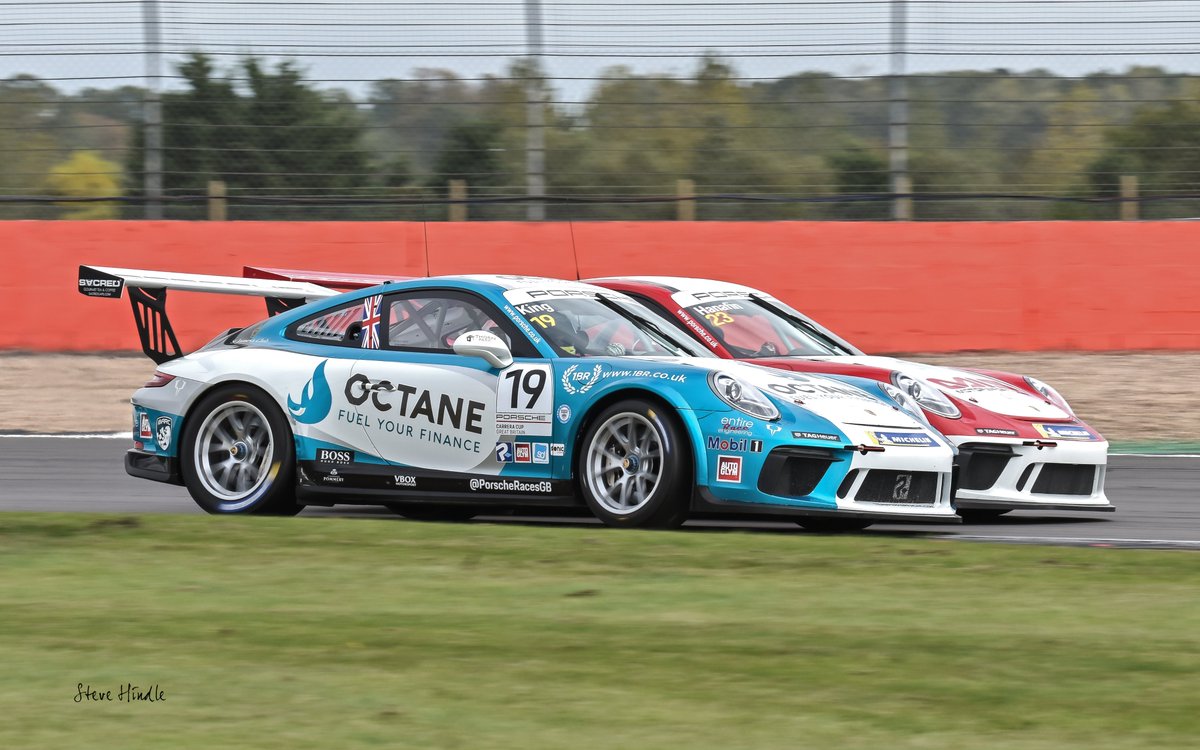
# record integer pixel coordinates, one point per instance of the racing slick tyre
(833, 525)
(237, 454)
(980, 515)
(431, 512)
(634, 466)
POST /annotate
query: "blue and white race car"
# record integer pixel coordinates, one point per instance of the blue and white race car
(442, 398)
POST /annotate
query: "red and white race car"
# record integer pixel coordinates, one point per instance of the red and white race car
(1019, 444)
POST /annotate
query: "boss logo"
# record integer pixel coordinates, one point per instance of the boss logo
(338, 457)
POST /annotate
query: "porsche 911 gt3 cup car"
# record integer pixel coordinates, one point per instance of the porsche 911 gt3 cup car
(442, 397)
(1019, 444)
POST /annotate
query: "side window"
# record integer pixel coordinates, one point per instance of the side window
(665, 313)
(432, 321)
(342, 326)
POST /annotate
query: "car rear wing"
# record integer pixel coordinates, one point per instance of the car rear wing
(148, 298)
(344, 281)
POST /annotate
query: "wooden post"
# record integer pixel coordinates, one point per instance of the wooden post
(902, 207)
(1129, 194)
(458, 192)
(685, 210)
(217, 205)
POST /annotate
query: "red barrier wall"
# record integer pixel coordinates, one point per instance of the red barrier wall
(926, 287)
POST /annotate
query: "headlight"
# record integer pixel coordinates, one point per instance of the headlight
(742, 396)
(905, 401)
(1050, 394)
(930, 398)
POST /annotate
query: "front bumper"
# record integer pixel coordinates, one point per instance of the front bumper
(707, 505)
(1008, 475)
(898, 483)
(151, 466)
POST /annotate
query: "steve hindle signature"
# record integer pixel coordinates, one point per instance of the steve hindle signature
(127, 693)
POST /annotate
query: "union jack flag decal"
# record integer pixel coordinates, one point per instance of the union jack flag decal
(371, 318)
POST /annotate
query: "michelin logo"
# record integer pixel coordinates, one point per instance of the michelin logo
(1064, 432)
(907, 439)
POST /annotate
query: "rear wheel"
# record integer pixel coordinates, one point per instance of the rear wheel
(237, 454)
(833, 525)
(431, 512)
(633, 466)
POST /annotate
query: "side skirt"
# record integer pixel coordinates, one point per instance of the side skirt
(322, 484)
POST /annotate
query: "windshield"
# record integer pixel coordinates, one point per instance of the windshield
(600, 327)
(749, 329)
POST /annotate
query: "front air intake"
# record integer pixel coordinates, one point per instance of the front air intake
(1065, 479)
(794, 471)
(899, 487)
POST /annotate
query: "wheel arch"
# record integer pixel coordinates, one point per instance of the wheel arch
(262, 388)
(691, 426)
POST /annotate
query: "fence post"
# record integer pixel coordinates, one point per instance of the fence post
(1129, 195)
(217, 205)
(458, 192)
(685, 210)
(902, 207)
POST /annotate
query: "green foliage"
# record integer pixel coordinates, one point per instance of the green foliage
(278, 136)
(808, 136)
(470, 153)
(86, 175)
(28, 149)
(859, 173)
(1161, 147)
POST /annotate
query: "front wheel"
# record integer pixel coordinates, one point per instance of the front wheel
(634, 466)
(237, 454)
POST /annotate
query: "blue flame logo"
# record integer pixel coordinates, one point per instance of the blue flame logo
(315, 399)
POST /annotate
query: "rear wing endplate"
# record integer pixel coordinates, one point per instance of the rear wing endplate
(148, 298)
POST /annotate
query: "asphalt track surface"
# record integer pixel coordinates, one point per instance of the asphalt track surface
(1157, 498)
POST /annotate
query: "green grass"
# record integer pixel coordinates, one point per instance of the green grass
(330, 633)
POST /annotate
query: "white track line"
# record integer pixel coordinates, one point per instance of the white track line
(70, 435)
(1084, 541)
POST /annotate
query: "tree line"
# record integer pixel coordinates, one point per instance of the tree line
(805, 146)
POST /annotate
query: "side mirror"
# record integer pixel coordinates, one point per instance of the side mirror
(486, 345)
